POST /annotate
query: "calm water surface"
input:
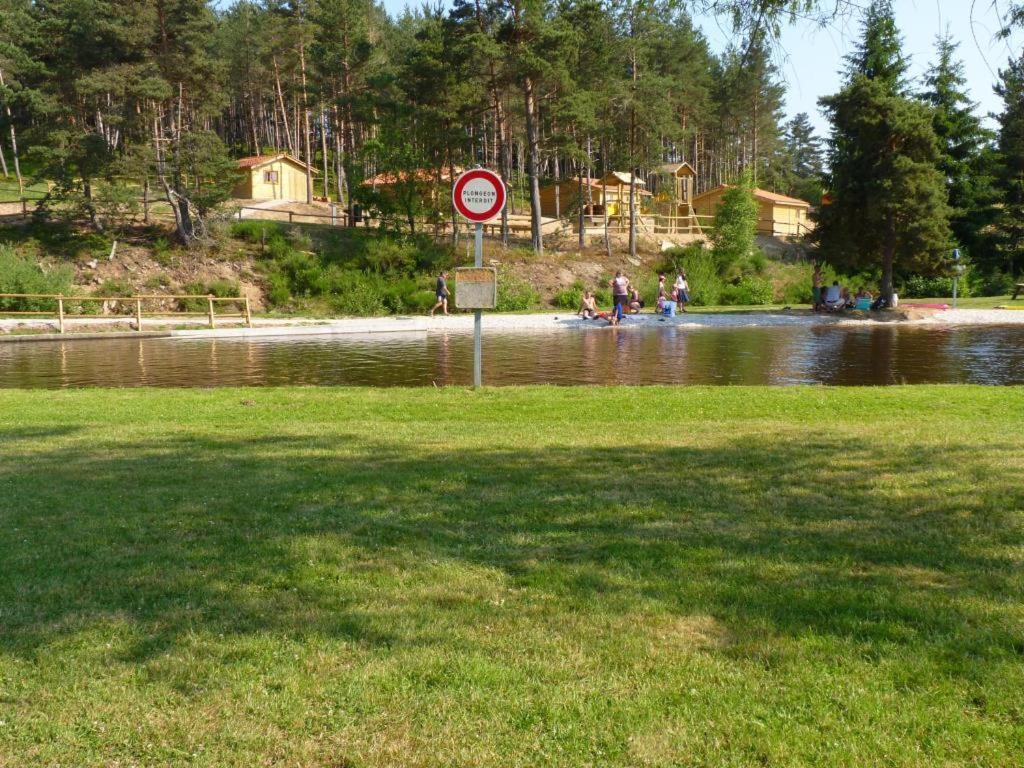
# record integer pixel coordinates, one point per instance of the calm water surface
(780, 355)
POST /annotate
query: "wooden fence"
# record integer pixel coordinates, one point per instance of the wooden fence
(133, 303)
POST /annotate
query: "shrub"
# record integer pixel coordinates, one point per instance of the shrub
(115, 287)
(749, 291)
(256, 231)
(735, 227)
(355, 293)
(918, 287)
(161, 249)
(701, 272)
(306, 277)
(385, 255)
(279, 294)
(994, 284)
(21, 275)
(515, 295)
(220, 288)
(569, 298)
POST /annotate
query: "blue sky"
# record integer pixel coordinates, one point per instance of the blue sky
(811, 57)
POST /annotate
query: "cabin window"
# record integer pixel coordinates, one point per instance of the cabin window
(270, 177)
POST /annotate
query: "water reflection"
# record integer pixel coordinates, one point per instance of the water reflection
(781, 355)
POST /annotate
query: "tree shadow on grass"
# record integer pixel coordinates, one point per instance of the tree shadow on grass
(901, 544)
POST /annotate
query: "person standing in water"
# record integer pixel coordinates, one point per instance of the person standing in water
(441, 294)
(662, 293)
(682, 290)
(620, 289)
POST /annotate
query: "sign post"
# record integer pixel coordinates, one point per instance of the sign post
(957, 269)
(478, 195)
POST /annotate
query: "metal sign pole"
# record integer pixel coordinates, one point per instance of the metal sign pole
(478, 314)
(956, 273)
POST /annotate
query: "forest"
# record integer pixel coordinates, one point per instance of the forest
(104, 98)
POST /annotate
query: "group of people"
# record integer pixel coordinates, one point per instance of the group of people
(626, 298)
(835, 298)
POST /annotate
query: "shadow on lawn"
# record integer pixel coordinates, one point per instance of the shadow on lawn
(770, 537)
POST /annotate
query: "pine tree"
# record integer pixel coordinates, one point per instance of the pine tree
(888, 207)
(804, 162)
(962, 148)
(1009, 225)
(879, 54)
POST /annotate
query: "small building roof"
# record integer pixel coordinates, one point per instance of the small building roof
(255, 161)
(620, 178)
(422, 175)
(576, 181)
(677, 169)
(759, 194)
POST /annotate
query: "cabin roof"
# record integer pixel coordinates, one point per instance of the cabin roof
(422, 175)
(759, 194)
(673, 169)
(255, 161)
(621, 178)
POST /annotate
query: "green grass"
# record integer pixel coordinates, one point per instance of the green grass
(9, 191)
(515, 577)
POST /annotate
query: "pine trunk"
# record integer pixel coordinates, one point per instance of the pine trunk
(533, 163)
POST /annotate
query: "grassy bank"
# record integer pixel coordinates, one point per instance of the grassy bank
(523, 577)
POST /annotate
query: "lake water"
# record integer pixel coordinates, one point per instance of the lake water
(835, 355)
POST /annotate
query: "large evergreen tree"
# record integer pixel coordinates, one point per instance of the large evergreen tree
(963, 157)
(887, 206)
(1009, 225)
(804, 162)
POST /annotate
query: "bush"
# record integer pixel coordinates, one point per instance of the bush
(115, 287)
(356, 293)
(994, 284)
(385, 256)
(749, 291)
(735, 227)
(515, 295)
(701, 272)
(256, 231)
(569, 298)
(220, 288)
(918, 287)
(21, 275)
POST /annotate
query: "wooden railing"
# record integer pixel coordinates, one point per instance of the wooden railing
(135, 303)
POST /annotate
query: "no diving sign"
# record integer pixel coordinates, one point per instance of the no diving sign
(478, 195)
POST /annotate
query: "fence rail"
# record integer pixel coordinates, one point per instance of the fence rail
(134, 302)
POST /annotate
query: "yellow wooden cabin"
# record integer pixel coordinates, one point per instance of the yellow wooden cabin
(564, 196)
(778, 215)
(272, 177)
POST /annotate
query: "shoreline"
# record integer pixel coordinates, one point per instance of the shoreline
(495, 322)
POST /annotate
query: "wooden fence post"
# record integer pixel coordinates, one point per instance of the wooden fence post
(209, 302)
(248, 313)
(60, 312)
(138, 315)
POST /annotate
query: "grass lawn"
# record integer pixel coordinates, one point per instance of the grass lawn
(516, 577)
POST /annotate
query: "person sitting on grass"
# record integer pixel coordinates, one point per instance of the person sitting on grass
(833, 299)
(588, 306)
(441, 294)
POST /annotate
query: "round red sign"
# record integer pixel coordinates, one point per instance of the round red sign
(478, 195)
